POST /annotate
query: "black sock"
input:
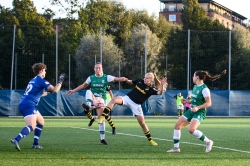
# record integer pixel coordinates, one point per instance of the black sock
(106, 111)
(88, 114)
(111, 123)
(148, 135)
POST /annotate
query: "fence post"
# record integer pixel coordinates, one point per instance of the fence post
(101, 45)
(145, 46)
(188, 57)
(15, 69)
(43, 58)
(56, 53)
(13, 50)
(69, 71)
(229, 61)
(229, 71)
(167, 66)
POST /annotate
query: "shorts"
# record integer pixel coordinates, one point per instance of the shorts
(135, 108)
(199, 115)
(180, 107)
(27, 110)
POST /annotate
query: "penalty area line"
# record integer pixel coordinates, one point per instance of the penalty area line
(162, 139)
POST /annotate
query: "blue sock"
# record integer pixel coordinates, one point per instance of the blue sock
(37, 133)
(24, 132)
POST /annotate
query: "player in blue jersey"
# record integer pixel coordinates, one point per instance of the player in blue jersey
(30, 99)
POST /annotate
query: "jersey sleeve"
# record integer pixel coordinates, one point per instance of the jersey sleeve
(42, 82)
(88, 80)
(154, 91)
(135, 81)
(206, 92)
(110, 78)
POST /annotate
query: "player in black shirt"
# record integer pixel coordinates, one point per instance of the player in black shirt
(143, 89)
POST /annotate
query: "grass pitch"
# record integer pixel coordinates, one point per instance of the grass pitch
(70, 142)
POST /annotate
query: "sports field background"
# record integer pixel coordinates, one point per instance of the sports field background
(68, 141)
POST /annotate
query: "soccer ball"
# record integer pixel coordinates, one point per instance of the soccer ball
(98, 102)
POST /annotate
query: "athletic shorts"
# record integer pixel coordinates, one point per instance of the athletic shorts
(199, 115)
(180, 107)
(27, 110)
(135, 108)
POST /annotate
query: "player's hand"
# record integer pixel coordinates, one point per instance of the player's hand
(61, 78)
(164, 80)
(70, 92)
(195, 109)
(123, 79)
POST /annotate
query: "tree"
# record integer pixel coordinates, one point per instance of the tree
(34, 36)
(193, 15)
(240, 58)
(89, 51)
(135, 51)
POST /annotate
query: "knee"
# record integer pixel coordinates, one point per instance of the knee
(177, 126)
(191, 130)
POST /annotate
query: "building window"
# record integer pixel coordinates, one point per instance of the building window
(172, 17)
(171, 8)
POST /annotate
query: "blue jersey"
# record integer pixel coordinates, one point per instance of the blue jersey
(34, 91)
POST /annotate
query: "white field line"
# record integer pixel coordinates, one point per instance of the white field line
(162, 139)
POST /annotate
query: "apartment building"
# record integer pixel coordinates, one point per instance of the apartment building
(171, 9)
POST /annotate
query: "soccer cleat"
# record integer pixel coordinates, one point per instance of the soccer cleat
(85, 107)
(15, 142)
(153, 143)
(209, 146)
(174, 150)
(91, 122)
(102, 118)
(114, 130)
(104, 142)
(36, 147)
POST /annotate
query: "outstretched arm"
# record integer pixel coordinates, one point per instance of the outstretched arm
(128, 81)
(119, 79)
(80, 87)
(55, 89)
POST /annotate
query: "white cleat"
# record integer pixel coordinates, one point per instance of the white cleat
(209, 146)
(174, 150)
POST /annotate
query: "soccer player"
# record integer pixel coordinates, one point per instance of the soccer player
(143, 89)
(200, 100)
(89, 99)
(98, 83)
(179, 105)
(29, 101)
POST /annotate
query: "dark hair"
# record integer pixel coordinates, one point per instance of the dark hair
(204, 74)
(37, 67)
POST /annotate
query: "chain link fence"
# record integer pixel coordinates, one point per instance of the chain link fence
(198, 50)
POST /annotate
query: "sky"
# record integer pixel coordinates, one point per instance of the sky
(152, 6)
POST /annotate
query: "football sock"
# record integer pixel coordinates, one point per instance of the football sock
(176, 138)
(148, 135)
(198, 134)
(106, 111)
(24, 132)
(88, 114)
(38, 131)
(102, 130)
(111, 123)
